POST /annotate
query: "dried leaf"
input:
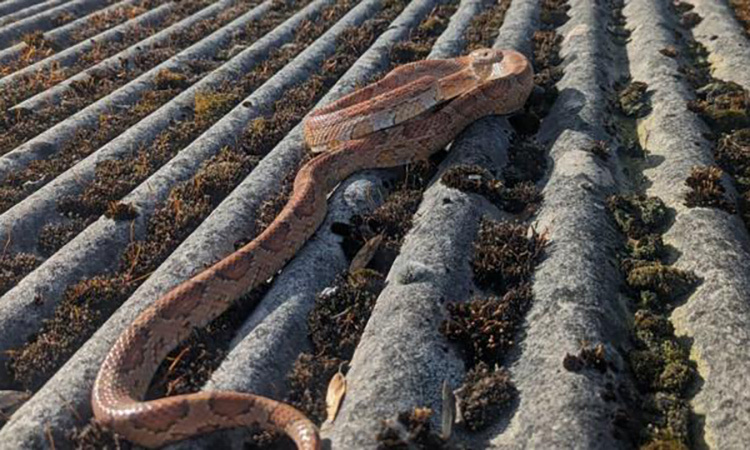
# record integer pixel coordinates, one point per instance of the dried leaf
(336, 392)
(365, 254)
(449, 411)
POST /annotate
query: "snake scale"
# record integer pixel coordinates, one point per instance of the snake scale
(414, 111)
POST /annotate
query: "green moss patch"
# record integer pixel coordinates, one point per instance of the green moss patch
(658, 360)
(638, 215)
(723, 105)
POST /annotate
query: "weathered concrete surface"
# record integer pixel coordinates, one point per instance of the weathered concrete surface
(710, 242)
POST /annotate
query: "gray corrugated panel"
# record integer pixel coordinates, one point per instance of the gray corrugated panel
(47, 20)
(62, 37)
(277, 326)
(576, 286)
(69, 56)
(12, 6)
(726, 41)
(216, 236)
(710, 242)
(30, 10)
(101, 244)
(39, 209)
(48, 142)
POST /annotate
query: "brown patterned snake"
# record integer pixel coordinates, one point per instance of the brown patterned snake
(414, 111)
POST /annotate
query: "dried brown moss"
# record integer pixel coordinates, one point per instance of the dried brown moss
(485, 27)
(505, 255)
(485, 329)
(633, 100)
(478, 180)
(589, 357)
(742, 12)
(484, 395)
(706, 189)
(82, 310)
(13, 267)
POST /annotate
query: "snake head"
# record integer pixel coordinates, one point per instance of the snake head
(487, 62)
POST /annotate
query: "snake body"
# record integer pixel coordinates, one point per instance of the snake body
(414, 111)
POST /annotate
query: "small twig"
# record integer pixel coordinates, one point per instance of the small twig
(7, 242)
(48, 432)
(177, 359)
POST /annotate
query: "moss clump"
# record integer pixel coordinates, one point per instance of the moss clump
(706, 189)
(670, 51)
(587, 358)
(690, 19)
(724, 105)
(484, 28)
(169, 79)
(485, 328)
(638, 215)
(733, 153)
(342, 311)
(410, 430)
(505, 254)
(13, 267)
(632, 99)
(478, 180)
(335, 325)
(648, 248)
(668, 283)
(484, 394)
(742, 12)
(83, 308)
(54, 236)
(94, 436)
(554, 13)
(662, 366)
(308, 383)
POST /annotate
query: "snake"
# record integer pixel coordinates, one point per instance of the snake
(411, 113)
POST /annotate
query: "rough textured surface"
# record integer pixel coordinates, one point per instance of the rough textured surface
(725, 39)
(710, 242)
(580, 302)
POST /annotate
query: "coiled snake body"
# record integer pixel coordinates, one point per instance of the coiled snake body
(414, 111)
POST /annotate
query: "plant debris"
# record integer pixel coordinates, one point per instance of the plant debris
(706, 189)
